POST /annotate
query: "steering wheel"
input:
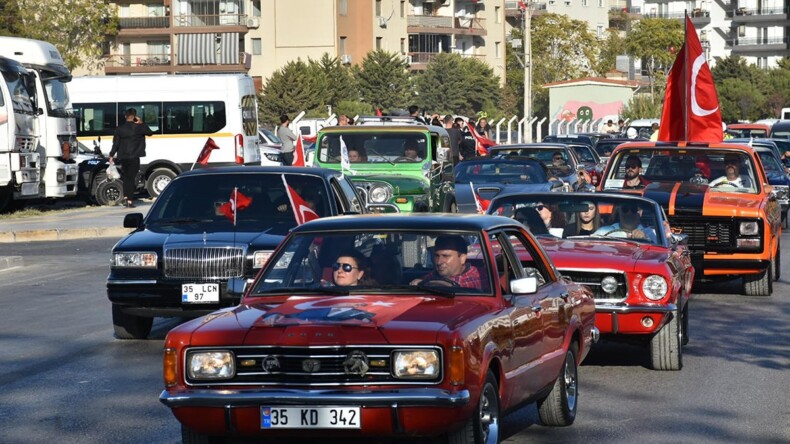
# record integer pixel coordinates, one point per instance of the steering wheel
(404, 159)
(618, 230)
(721, 184)
(443, 281)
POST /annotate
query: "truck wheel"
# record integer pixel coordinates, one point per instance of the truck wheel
(129, 326)
(158, 180)
(666, 352)
(684, 324)
(776, 262)
(558, 409)
(758, 284)
(109, 192)
(6, 197)
(483, 426)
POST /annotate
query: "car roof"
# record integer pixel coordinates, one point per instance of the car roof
(310, 171)
(412, 221)
(680, 146)
(584, 196)
(345, 129)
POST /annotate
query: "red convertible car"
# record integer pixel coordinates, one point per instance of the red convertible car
(384, 325)
(617, 244)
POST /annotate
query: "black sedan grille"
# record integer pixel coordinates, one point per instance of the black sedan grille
(705, 234)
(316, 366)
(204, 263)
(593, 279)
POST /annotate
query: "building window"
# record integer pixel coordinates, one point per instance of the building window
(344, 7)
(600, 31)
(256, 8)
(342, 47)
(498, 14)
(124, 12)
(256, 47)
(402, 8)
(378, 8)
(497, 49)
(742, 31)
(600, 3)
(378, 43)
(403, 46)
(585, 3)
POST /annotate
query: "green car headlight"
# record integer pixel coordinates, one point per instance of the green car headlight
(210, 365)
(416, 364)
(379, 194)
(134, 260)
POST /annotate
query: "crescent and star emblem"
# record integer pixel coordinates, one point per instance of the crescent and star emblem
(695, 108)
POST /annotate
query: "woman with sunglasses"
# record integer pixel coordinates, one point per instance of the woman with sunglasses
(349, 269)
(587, 222)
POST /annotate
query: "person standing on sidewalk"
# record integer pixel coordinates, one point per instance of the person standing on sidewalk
(128, 146)
(288, 138)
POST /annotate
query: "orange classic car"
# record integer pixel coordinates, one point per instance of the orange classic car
(716, 194)
(364, 326)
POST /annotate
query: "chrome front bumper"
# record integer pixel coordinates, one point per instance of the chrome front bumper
(646, 308)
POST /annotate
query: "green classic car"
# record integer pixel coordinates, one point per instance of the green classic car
(405, 166)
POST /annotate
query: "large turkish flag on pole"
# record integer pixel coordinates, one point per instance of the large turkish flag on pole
(691, 104)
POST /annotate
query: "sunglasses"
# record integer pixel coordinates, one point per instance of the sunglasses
(630, 210)
(558, 158)
(540, 207)
(632, 167)
(346, 267)
(589, 208)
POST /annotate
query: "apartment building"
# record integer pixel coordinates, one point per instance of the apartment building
(259, 37)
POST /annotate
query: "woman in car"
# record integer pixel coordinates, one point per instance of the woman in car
(349, 269)
(587, 222)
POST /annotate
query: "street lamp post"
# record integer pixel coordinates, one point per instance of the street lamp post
(526, 17)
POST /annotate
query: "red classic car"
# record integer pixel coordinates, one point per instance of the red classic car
(363, 326)
(618, 244)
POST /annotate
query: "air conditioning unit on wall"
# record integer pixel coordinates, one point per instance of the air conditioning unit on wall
(253, 22)
(345, 59)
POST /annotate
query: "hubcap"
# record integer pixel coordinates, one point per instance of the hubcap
(489, 429)
(570, 381)
(160, 183)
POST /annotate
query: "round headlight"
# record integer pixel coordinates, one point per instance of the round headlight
(609, 284)
(379, 195)
(654, 287)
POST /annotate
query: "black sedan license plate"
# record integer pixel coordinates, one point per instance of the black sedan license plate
(310, 418)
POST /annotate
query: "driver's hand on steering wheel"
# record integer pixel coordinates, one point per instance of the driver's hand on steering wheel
(415, 282)
(638, 234)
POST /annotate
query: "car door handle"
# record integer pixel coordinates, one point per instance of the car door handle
(565, 295)
(537, 308)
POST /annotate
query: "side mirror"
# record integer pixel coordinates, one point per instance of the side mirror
(556, 183)
(678, 239)
(133, 220)
(443, 154)
(237, 286)
(527, 285)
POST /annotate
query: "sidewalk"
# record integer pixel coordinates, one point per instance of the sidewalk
(63, 221)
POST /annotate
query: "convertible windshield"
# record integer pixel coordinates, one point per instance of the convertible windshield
(260, 200)
(500, 171)
(391, 147)
(399, 262)
(558, 159)
(585, 215)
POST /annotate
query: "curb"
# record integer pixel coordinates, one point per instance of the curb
(55, 234)
(7, 262)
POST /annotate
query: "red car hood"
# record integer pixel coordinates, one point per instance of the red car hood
(602, 254)
(336, 320)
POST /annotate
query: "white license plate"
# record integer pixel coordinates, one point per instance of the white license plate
(199, 293)
(310, 418)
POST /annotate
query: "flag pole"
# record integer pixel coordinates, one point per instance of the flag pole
(686, 86)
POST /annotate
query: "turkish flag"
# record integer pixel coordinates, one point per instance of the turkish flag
(237, 202)
(481, 204)
(691, 104)
(206, 152)
(483, 143)
(298, 153)
(302, 210)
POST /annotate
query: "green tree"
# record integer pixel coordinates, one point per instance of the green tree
(340, 81)
(383, 80)
(353, 108)
(740, 100)
(642, 106)
(8, 17)
(612, 46)
(655, 41)
(76, 27)
(293, 88)
(459, 85)
(777, 92)
(562, 49)
(732, 67)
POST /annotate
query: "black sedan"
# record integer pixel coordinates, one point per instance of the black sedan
(207, 227)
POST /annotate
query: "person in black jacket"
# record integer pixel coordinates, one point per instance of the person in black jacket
(128, 146)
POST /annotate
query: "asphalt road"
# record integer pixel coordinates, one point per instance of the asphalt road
(65, 379)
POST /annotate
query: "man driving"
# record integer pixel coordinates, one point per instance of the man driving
(449, 261)
(732, 174)
(411, 151)
(628, 225)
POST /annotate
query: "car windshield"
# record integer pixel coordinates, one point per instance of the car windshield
(604, 148)
(584, 153)
(397, 147)
(500, 171)
(585, 215)
(271, 136)
(557, 159)
(58, 102)
(770, 163)
(261, 202)
(721, 170)
(402, 262)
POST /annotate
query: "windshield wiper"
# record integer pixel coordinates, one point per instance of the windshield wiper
(379, 154)
(180, 220)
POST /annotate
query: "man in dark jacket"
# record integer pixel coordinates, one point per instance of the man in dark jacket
(128, 146)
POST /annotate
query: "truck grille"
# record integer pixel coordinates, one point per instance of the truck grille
(316, 366)
(25, 144)
(705, 234)
(593, 279)
(204, 263)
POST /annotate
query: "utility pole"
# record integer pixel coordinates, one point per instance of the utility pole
(526, 15)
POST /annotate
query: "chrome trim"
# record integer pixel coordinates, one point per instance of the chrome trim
(383, 205)
(595, 334)
(643, 308)
(204, 263)
(131, 282)
(369, 398)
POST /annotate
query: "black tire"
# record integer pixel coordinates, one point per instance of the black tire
(189, 436)
(450, 206)
(129, 326)
(109, 193)
(558, 409)
(666, 351)
(758, 284)
(685, 325)
(483, 426)
(776, 262)
(6, 198)
(100, 177)
(158, 180)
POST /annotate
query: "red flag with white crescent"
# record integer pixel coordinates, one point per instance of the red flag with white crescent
(208, 147)
(691, 105)
(483, 143)
(481, 204)
(298, 153)
(237, 202)
(302, 211)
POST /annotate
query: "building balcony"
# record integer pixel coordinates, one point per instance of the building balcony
(168, 63)
(143, 22)
(759, 45)
(420, 60)
(759, 15)
(419, 24)
(513, 11)
(699, 17)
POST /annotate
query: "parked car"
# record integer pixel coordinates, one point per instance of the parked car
(270, 147)
(756, 130)
(559, 159)
(491, 176)
(734, 225)
(457, 320)
(640, 274)
(179, 257)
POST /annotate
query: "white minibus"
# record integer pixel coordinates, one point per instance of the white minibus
(182, 110)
